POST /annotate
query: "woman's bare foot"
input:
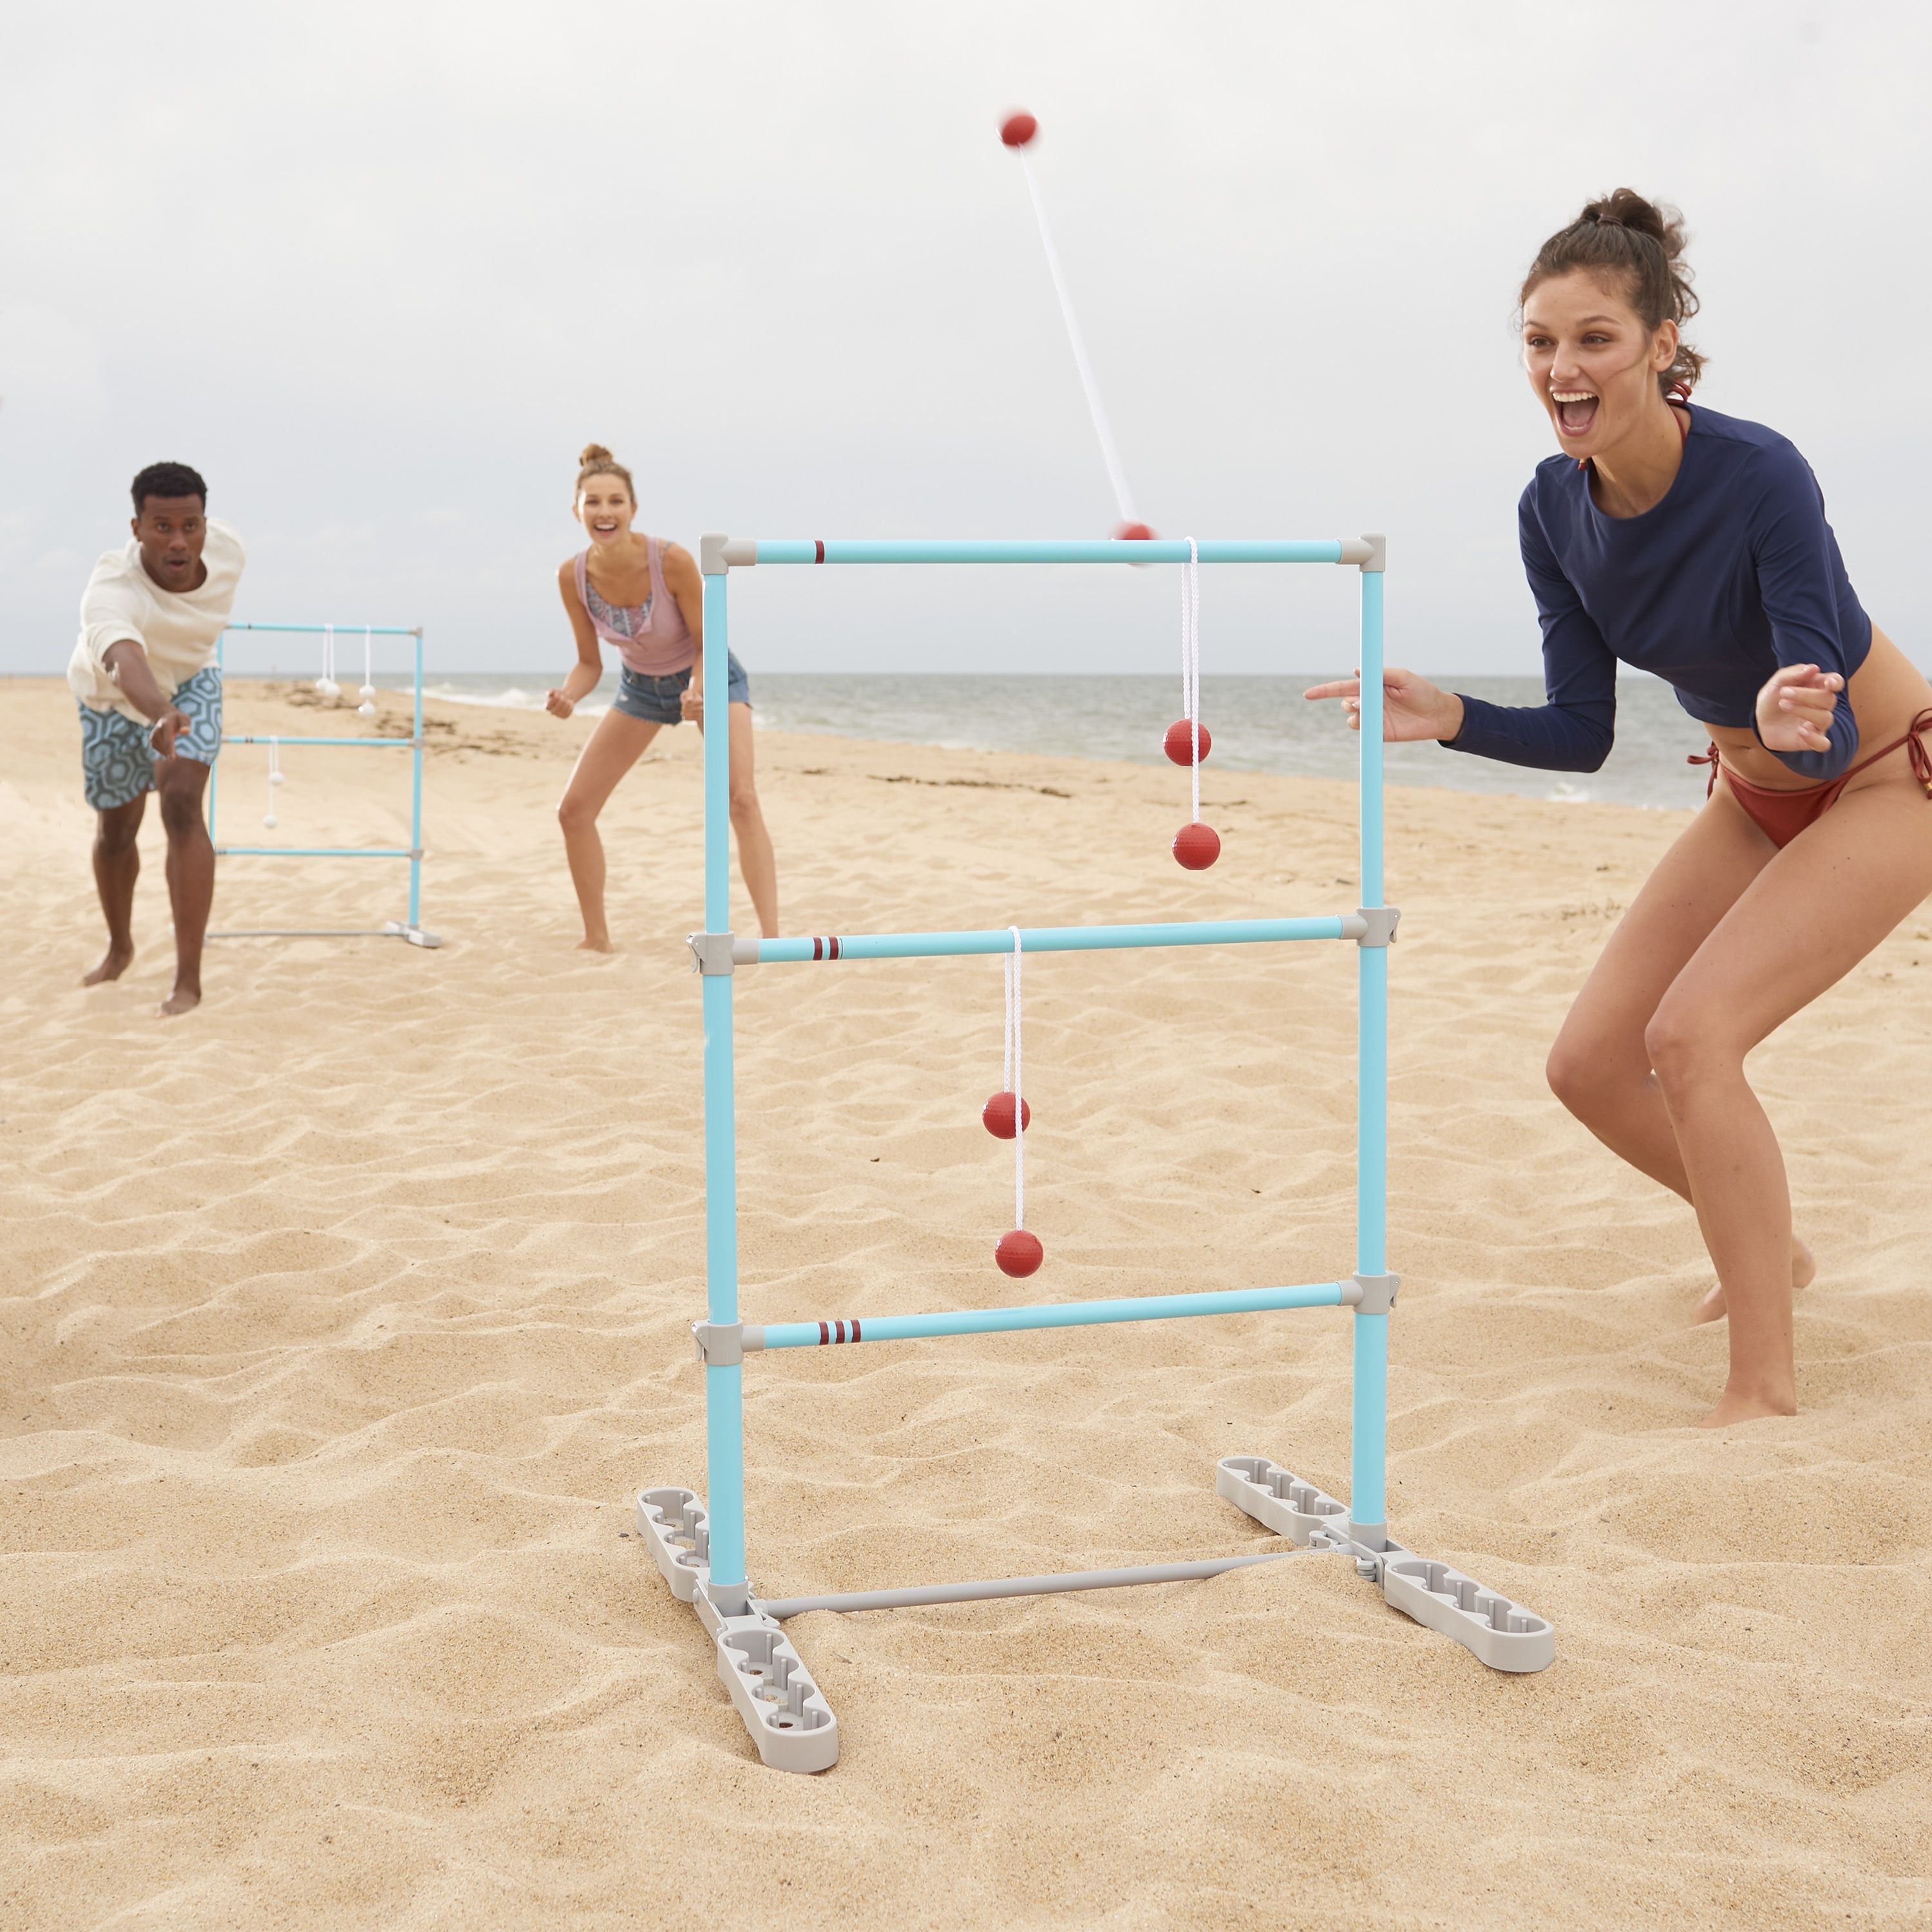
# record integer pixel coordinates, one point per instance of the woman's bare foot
(598, 942)
(182, 999)
(1749, 1405)
(116, 961)
(1803, 1269)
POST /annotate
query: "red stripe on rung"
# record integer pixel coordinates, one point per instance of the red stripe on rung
(824, 1334)
(832, 947)
(855, 1331)
(818, 544)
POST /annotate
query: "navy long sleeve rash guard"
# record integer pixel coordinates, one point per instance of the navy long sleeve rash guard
(1734, 573)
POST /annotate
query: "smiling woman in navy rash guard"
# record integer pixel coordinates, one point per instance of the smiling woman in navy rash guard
(1694, 545)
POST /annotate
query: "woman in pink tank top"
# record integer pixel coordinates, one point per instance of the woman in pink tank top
(645, 598)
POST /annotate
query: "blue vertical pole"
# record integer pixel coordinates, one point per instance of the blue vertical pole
(723, 1385)
(221, 672)
(1368, 1507)
(415, 798)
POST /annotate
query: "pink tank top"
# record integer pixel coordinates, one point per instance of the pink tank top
(653, 639)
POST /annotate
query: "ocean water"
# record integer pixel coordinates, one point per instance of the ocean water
(1259, 725)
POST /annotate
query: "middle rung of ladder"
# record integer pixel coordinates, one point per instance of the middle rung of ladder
(1042, 939)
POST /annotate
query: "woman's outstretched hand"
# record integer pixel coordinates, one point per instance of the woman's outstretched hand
(557, 705)
(1412, 708)
(1795, 708)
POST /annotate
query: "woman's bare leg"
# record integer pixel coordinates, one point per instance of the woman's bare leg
(1600, 1067)
(608, 753)
(1811, 914)
(756, 860)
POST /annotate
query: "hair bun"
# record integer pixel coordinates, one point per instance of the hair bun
(594, 452)
(1625, 207)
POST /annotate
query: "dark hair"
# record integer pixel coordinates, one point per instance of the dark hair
(169, 479)
(1638, 246)
(596, 461)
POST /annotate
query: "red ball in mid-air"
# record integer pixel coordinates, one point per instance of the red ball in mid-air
(1197, 846)
(1179, 742)
(1133, 533)
(997, 1114)
(1018, 1253)
(1016, 130)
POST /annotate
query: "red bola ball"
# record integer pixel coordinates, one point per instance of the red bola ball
(997, 1114)
(1016, 130)
(1132, 533)
(1018, 1253)
(1179, 742)
(1197, 846)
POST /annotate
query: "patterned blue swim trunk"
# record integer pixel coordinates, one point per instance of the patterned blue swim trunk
(117, 759)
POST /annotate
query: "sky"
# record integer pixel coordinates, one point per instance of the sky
(379, 271)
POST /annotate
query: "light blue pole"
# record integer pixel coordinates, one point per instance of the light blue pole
(1368, 1506)
(377, 744)
(723, 1386)
(1045, 550)
(314, 851)
(1045, 939)
(315, 630)
(415, 798)
(221, 674)
(1056, 1315)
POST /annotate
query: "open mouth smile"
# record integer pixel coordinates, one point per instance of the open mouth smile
(1576, 410)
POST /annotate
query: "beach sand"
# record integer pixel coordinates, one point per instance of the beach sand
(344, 1318)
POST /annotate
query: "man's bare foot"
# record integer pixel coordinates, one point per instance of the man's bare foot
(1804, 1268)
(182, 999)
(600, 944)
(1748, 1405)
(116, 962)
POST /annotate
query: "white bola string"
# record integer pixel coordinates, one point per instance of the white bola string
(274, 779)
(1190, 661)
(1012, 963)
(1088, 381)
(326, 683)
(367, 694)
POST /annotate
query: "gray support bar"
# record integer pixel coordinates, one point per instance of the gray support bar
(1014, 1586)
(1376, 924)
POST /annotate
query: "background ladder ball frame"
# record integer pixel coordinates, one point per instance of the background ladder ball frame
(701, 1550)
(409, 929)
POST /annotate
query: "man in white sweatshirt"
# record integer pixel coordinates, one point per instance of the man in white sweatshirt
(150, 695)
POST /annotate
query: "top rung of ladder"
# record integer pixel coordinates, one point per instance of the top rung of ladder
(718, 553)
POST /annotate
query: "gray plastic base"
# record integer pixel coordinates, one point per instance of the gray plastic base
(394, 928)
(789, 1721)
(1502, 1634)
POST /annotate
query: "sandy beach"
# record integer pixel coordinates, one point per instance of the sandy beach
(345, 1317)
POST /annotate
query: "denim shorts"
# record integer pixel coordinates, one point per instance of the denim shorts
(655, 700)
(117, 757)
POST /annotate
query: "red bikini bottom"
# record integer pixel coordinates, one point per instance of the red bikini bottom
(1781, 815)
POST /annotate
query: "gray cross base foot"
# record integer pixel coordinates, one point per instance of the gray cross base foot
(396, 929)
(793, 1726)
(1503, 1634)
(786, 1713)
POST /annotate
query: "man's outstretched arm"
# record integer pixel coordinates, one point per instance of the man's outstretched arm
(127, 664)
